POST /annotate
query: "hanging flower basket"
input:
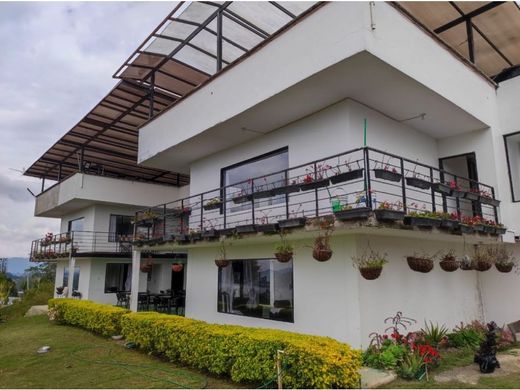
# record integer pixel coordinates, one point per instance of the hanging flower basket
(449, 263)
(490, 201)
(466, 265)
(353, 214)
(177, 267)
(315, 185)
(420, 264)
(246, 229)
(442, 188)
(466, 229)
(347, 176)
(292, 222)
(504, 267)
(385, 174)
(482, 266)
(321, 254)
(146, 268)
(285, 190)
(470, 195)
(267, 228)
(221, 263)
(389, 215)
(283, 257)
(371, 273)
(418, 183)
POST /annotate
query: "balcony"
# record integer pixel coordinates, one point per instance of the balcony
(80, 244)
(362, 187)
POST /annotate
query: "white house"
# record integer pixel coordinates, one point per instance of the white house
(283, 111)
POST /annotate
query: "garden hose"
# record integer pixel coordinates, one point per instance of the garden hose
(192, 380)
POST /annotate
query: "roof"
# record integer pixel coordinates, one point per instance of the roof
(192, 44)
(487, 34)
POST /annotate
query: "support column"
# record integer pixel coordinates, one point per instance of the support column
(136, 265)
(70, 282)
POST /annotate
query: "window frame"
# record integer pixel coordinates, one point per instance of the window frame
(127, 265)
(508, 162)
(223, 185)
(261, 318)
(69, 223)
(112, 236)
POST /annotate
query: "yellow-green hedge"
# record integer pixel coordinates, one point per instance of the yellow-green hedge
(103, 319)
(241, 353)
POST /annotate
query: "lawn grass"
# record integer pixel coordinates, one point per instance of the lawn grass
(80, 359)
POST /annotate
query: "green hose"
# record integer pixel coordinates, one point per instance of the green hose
(191, 381)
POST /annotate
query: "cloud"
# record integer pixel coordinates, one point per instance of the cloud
(57, 63)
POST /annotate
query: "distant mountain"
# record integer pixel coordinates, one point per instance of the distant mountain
(17, 265)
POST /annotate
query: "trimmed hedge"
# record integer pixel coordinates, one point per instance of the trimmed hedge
(241, 353)
(99, 318)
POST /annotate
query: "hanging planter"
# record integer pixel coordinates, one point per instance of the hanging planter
(242, 198)
(322, 255)
(284, 250)
(267, 228)
(221, 263)
(177, 267)
(313, 185)
(449, 224)
(321, 250)
(504, 260)
(213, 204)
(371, 273)
(227, 231)
(421, 264)
(284, 257)
(263, 194)
(500, 229)
(422, 220)
(471, 195)
(288, 189)
(292, 223)
(442, 188)
(389, 212)
(347, 176)
(353, 214)
(482, 266)
(504, 267)
(210, 234)
(483, 259)
(246, 229)
(466, 229)
(490, 201)
(418, 183)
(370, 263)
(449, 262)
(385, 174)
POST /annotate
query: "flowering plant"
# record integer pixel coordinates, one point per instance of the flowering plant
(386, 205)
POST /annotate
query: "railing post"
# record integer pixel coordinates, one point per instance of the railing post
(495, 211)
(287, 194)
(368, 186)
(164, 221)
(316, 199)
(252, 201)
(201, 211)
(403, 184)
(182, 219)
(219, 41)
(434, 207)
(224, 205)
(457, 200)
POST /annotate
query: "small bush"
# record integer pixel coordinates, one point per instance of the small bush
(103, 319)
(241, 353)
(37, 295)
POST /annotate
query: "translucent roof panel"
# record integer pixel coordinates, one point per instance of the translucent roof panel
(493, 41)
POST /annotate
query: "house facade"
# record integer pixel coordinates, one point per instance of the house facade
(341, 110)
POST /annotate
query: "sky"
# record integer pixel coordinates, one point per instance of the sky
(57, 63)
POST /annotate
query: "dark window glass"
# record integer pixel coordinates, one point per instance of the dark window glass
(257, 288)
(239, 178)
(76, 225)
(513, 159)
(75, 281)
(118, 277)
(120, 225)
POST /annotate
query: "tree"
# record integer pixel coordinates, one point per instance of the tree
(7, 286)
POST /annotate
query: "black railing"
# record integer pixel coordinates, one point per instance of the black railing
(360, 178)
(79, 243)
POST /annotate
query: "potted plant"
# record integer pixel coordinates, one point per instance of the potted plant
(284, 189)
(466, 225)
(449, 221)
(416, 181)
(456, 191)
(482, 259)
(442, 188)
(487, 198)
(209, 232)
(449, 262)
(242, 196)
(504, 260)
(473, 194)
(422, 219)
(264, 226)
(180, 211)
(293, 221)
(387, 211)
(421, 262)
(284, 249)
(321, 250)
(370, 263)
(262, 191)
(466, 264)
(387, 173)
(221, 261)
(314, 179)
(358, 210)
(351, 174)
(177, 267)
(212, 204)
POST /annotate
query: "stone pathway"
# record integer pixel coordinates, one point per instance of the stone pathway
(372, 378)
(37, 310)
(509, 364)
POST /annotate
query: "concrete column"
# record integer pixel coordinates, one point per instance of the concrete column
(70, 282)
(136, 265)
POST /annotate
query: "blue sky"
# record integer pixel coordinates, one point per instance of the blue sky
(57, 63)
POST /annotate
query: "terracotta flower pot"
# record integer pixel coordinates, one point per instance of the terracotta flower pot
(449, 264)
(321, 254)
(371, 273)
(177, 267)
(482, 265)
(221, 263)
(283, 257)
(419, 264)
(504, 267)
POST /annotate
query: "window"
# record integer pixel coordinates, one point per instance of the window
(76, 225)
(261, 167)
(512, 142)
(75, 281)
(120, 225)
(118, 277)
(257, 288)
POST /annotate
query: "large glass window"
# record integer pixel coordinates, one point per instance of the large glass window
(513, 159)
(76, 225)
(118, 277)
(120, 225)
(257, 288)
(239, 176)
(75, 281)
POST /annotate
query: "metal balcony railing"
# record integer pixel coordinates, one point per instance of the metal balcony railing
(80, 244)
(362, 178)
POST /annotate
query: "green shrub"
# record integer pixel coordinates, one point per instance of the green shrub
(434, 333)
(387, 357)
(466, 336)
(103, 319)
(37, 295)
(241, 353)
